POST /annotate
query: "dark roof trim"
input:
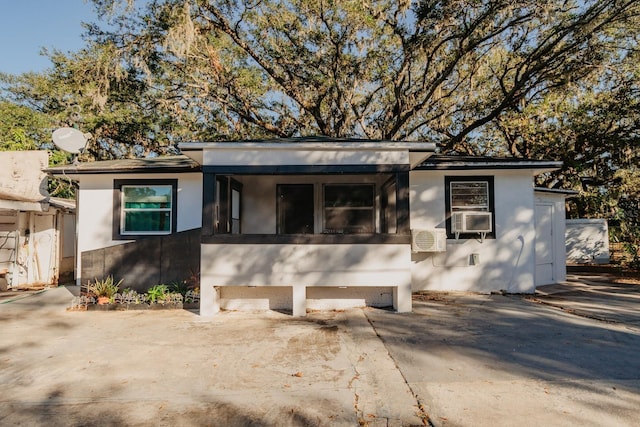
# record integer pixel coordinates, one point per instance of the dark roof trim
(305, 169)
(438, 162)
(169, 164)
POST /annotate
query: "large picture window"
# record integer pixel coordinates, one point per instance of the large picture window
(470, 206)
(348, 208)
(345, 209)
(144, 208)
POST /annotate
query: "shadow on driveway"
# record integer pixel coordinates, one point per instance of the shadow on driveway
(494, 360)
(594, 296)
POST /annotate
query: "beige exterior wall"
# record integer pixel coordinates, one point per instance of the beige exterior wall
(31, 250)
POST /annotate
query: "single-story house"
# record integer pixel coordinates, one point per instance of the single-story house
(317, 223)
(37, 232)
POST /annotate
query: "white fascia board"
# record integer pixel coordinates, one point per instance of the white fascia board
(556, 191)
(320, 146)
(414, 152)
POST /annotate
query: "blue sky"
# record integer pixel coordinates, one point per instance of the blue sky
(26, 26)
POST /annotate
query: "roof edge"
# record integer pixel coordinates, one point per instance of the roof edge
(438, 162)
(567, 193)
(160, 164)
(366, 145)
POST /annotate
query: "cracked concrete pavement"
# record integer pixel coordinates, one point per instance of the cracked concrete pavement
(174, 368)
(458, 359)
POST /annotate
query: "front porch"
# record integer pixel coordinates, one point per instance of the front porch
(307, 221)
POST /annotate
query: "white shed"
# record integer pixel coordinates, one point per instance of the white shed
(587, 241)
(37, 232)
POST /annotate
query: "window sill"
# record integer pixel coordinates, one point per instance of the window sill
(139, 236)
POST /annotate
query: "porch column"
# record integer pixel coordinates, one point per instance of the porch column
(402, 203)
(402, 298)
(299, 301)
(208, 203)
(209, 300)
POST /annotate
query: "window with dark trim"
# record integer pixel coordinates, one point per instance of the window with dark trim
(144, 208)
(345, 209)
(470, 207)
(348, 208)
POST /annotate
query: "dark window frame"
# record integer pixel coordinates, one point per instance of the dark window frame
(398, 172)
(324, 208)
(489, 179)
(117, 206)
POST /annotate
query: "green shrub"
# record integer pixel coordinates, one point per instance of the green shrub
(157, 293)
(180, 286)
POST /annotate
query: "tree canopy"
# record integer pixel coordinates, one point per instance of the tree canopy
(528, 78)
(435, 69)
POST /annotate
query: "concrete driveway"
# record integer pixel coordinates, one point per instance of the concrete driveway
(515, 360)
(458, 359)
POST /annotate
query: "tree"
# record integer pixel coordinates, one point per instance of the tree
(438, 70)
(21, 128)
(93, 91)
(595, 133)
(594, 128)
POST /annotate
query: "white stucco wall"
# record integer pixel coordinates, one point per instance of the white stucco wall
(300, 267)
(505, 263)
(298, 156)
(95, 207)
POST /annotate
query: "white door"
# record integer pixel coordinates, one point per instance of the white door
(544, 244)
(45, 261)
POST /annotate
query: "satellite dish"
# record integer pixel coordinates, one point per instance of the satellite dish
(69, 139)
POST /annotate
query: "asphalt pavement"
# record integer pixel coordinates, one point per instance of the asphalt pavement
(567, 356)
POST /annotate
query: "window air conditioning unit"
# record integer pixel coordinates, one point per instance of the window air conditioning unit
(471, 222)
(434, 240)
